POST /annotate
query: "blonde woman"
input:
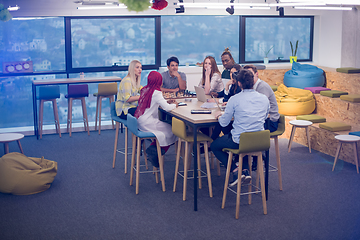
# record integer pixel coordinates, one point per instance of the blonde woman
(129, 91)
(211, 76)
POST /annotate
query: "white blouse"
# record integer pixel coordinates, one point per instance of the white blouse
(216, 84)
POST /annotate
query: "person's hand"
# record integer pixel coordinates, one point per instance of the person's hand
(224, 104)
(227, 86)
(210, 100)
(218, 114)
(171, 101)
(214, 94)
(175, 74)
(208, 71)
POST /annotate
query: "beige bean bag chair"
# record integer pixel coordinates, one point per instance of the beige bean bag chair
(22, 175)
(294, 101)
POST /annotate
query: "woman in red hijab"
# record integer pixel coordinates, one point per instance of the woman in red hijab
(150, 100)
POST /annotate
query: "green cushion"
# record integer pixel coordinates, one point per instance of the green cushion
(312, 118)
(333, 93)
(348, 70)
(351, 97)
(335, 126)
(274, 87)
(252, 142)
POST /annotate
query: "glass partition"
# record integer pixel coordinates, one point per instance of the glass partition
(270, 37)
(192, 38)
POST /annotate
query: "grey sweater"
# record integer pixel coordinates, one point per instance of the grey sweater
(264, 88)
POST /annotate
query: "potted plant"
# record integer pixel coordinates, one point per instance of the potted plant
(293, 57)
(266, 59)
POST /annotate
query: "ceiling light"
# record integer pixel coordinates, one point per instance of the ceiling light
(100, 7)
(180, 9)
(13, 8)
(326, 8)
(230, 9)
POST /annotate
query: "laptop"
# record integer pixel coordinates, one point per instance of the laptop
(200, 94)
(222, 108)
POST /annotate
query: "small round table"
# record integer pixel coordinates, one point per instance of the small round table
(9, 137)
(299, 124)
(352, 139)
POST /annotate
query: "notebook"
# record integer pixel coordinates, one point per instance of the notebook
(200, 94)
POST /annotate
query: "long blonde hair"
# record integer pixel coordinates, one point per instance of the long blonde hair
(135, 81)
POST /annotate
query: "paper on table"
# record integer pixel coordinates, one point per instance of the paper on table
(209, 105)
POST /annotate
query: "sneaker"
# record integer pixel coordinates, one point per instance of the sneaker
(247, 177)
(235, 179)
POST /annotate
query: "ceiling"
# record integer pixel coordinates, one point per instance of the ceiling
(69, 8)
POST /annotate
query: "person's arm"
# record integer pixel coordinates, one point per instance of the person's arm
(169, 90)
(125, 91)
(158, 97)
(207, 85)
(182, 80)
(216, 83)
(225, 118)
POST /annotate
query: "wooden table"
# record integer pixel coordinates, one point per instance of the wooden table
(197, 121)
(36, 83)
(9, 137)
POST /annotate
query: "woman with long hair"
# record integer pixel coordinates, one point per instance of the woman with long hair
(129, 90)
(211, 77)
(151, 99)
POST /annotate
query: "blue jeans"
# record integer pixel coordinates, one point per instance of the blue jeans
(218, 145)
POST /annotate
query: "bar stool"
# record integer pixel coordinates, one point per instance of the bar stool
(352, 139)
(252, 144)
(138, 135)
(119, 121)
(49, 93)
(77, 92)
(179, 130)
(105, 90)
(299, 124)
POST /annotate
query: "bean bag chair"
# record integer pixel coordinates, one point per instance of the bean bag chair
(304, 75)
(22, 175)
(294, 101)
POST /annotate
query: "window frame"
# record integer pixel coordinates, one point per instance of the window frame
(242, 38)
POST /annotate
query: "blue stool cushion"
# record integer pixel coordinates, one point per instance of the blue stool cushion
(116, 117)
(304, 75)
(77, 91)
(133, 127)
(49, 92)
(355, 133)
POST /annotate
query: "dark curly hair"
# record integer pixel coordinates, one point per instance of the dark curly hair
(246, 78)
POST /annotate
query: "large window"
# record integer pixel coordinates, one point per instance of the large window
(192, 38)
(272, 35)
(99, 42)
(40, 40)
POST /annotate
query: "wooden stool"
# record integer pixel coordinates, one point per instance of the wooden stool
(49, 93)
(179, 130)
(79, 91)
(105, 90)
(347, 139)
(299, 124)
(251, 144)
(9, 137)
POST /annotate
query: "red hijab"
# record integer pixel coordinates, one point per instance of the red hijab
(154, 83)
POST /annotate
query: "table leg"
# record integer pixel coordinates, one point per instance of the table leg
(18, 141)
(195, 167)
(6, 147)
(36, 130)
